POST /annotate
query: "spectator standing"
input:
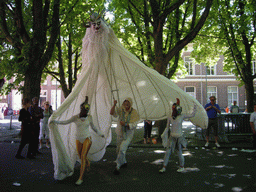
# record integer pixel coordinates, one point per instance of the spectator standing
(234, 108)
(212, 110)
(26, 130)
(253, 126)
(147, 131)
(44, 129)
(37, 114)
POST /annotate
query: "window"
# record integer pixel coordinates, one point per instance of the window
(211, 91)
(253, 67)
(3, 97)
(45, 82)
(55, 99)
(211, 70)
(55, 82)
(232, 95)
(191, 91)
(43, 97)
(189, 66)
(16, 100)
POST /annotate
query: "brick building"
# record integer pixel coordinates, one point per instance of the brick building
(50, 91)
(202, 82)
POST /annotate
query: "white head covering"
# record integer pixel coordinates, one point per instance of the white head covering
(129, 99)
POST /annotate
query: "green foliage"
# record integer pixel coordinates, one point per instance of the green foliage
(72, 31)
(231, 31)
(152, 31)
(16, 55)
(226, 32)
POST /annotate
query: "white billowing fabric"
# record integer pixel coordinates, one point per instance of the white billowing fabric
(109, 70)
(176, 127)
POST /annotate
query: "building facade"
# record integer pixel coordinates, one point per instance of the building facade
(202, 81)
(50, 91)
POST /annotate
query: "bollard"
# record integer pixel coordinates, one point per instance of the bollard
(11, 122)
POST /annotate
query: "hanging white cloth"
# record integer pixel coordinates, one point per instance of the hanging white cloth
(110, 70)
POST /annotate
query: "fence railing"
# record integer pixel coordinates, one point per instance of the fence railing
(231, 127)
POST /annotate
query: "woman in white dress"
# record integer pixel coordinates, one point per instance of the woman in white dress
(83, 137)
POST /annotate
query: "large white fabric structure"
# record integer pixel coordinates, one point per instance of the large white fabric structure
(110, 71)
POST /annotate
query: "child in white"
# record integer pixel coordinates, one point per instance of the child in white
(176, 136)
(83, 136)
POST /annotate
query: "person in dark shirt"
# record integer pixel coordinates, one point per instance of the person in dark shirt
(37, 114)
(212, 110)
(26, 130)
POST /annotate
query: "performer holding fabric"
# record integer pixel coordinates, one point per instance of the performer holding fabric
(109, 70)
(176, 137)
(127, 121)
(83, 138)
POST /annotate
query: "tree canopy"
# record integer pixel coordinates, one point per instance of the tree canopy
(230, 31)
(157, 31)
(29, 32)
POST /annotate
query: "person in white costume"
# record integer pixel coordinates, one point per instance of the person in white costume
(83, 137)
(127, 121)
(176, 138)
(111, 71)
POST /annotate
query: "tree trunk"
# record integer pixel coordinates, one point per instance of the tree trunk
(32, 84)
(1, 83)
(249, 95)
(61, 70)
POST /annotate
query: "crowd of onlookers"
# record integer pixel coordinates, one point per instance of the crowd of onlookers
(34, 127)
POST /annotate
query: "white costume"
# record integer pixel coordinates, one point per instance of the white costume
(176, 136)
(253, 119)
(82, 126)
(109, 70)
(124, 135)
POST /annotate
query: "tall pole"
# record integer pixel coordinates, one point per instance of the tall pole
(56, 96)
(201, 73)
(206, 83)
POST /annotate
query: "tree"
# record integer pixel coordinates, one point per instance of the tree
(230, 31)
(68, 63)
(29, 30)
(1, 83)
(157, 31)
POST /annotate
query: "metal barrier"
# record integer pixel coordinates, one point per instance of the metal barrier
(232, 127)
